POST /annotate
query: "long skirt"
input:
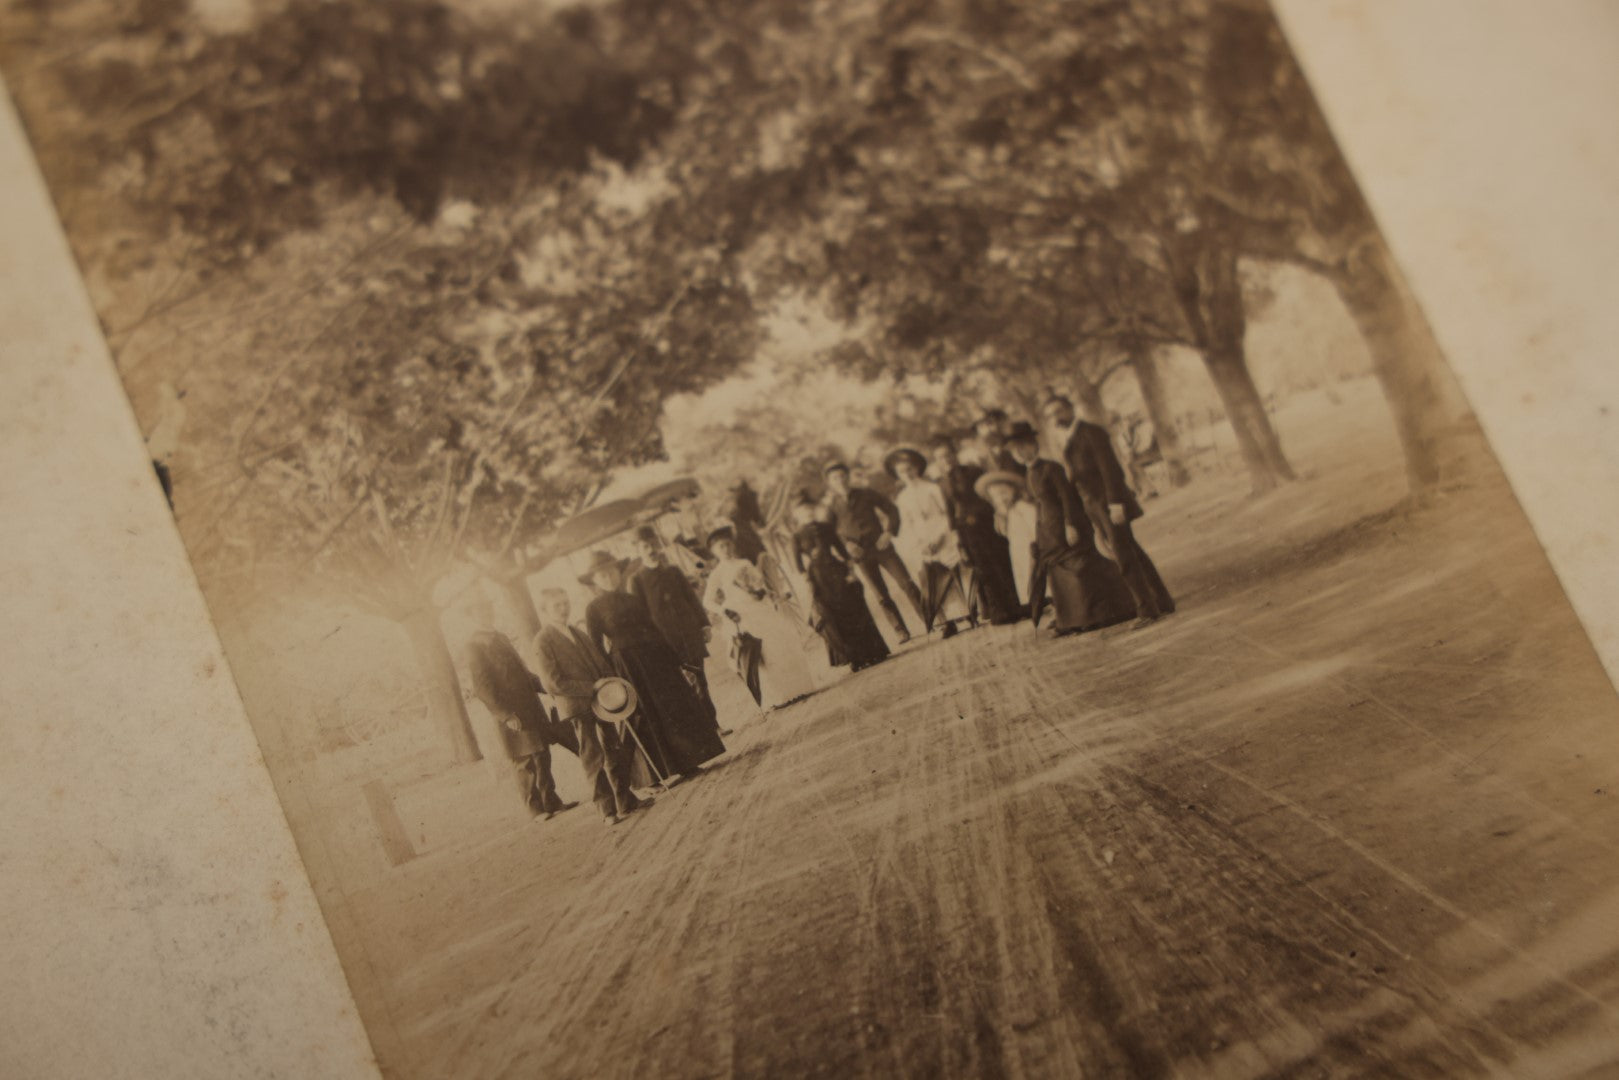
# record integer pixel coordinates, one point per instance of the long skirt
(674, 729)
(1087, 590)
(845, 621)
(994, 588)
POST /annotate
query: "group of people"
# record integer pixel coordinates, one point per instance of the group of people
(965, 543)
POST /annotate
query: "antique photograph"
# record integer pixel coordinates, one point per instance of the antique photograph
(876, 538)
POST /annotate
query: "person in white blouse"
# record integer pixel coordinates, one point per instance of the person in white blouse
(1015, 519)
(926, 539)
(765, 645)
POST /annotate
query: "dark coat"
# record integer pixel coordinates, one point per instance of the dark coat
(570, 663)
(1098, 476)
(676, 610)
(1057, 505)
(511, 692)
(860, 516)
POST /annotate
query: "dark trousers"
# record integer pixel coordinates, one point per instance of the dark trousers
(534, 781)
(874, 560)
(699, 683)
(1140, 575)
(607, 756)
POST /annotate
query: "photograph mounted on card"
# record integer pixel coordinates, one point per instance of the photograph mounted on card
(888, 538)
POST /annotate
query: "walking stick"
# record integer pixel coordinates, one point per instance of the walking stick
(663, 781)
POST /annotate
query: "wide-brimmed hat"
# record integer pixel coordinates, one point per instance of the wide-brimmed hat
(917, 459)
(724, 532)
(598, 559)
(997, 476)
(614, 699)
(1023, 431)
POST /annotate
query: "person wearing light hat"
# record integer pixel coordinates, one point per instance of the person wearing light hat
(571, 667)
(1087, 591)
(926, 540)
(984, 550)
(866, 522)
(675, 731)
(1015, 519)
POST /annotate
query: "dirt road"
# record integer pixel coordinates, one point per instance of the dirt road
(1353, 816)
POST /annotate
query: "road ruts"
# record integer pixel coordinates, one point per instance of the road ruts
(1246, 842)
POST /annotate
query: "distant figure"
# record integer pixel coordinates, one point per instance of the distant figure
(1109, 503)
(926, 540)
(992, 429)
(984, 551)
(675, 729)
(1086, 589)
(1017, 521)
(746, 518)
(570, 665)
(510, 692)
(839, 611)
(676, 610)
(866, 522)
(767, 649)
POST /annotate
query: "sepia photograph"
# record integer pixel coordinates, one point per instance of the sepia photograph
(884, 538)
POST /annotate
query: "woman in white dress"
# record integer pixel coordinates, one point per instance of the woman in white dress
(766, 646)
(1015, 519)
(926, 540)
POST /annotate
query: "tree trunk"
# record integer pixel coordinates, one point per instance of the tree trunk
(1203, 273)
(521, 614)
(1420, 390)
(1256, 438)
(443, 686)
(1225, 354)
(1145, 365)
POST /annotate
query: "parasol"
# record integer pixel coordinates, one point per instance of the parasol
(660, 496)
(594, 525)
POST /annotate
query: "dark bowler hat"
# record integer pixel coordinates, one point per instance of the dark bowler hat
(917, 459)
(648, 534)
(598, 559)
(724, 532)
(998, 476)
(1023, 431)
(994, 415)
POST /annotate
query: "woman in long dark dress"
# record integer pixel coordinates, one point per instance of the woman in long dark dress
(842, 617)
(1087, 589)
(675, 731)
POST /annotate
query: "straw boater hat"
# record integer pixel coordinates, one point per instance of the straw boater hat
(834, 466)
(917, 459)
(998, 476)
(614, 700)
(598, 559)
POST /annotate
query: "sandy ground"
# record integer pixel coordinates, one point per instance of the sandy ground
(1351, 813)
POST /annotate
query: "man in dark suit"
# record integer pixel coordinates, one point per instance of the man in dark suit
(510, 692)
(570, 664)
(984, 551)
(866, 522)
(1093, 466)
(676, 610)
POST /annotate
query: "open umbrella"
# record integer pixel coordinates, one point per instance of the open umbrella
(658, 497)
(595, 525)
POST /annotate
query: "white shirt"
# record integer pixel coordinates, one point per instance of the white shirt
(924, 526)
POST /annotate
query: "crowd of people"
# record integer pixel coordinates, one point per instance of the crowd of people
(966, 541)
